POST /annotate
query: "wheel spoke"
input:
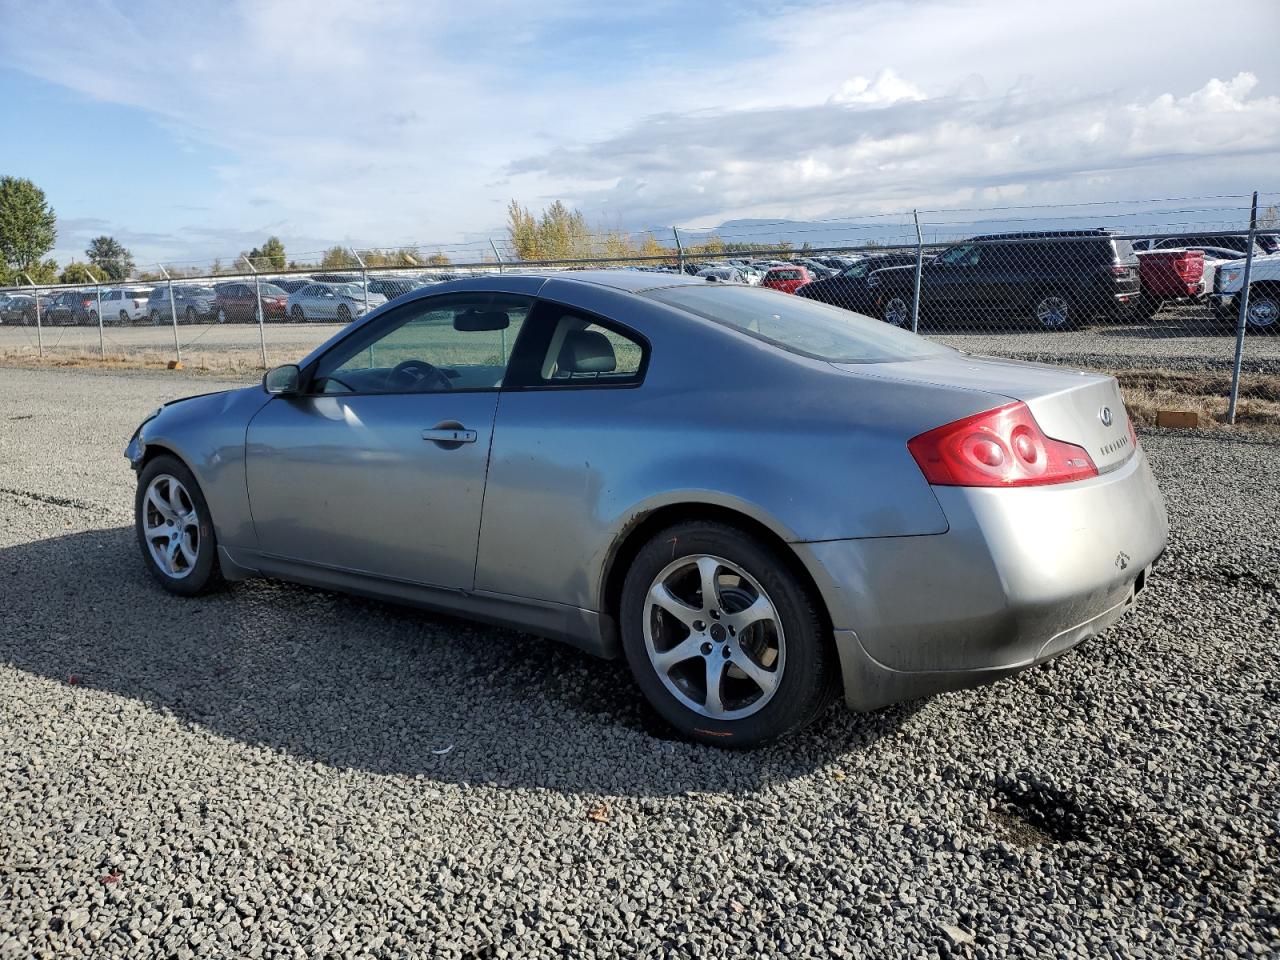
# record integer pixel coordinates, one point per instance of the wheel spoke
(766, 680)
(171, 555)
(151, 532)
(161, 505)
(760, 609)
(187, 553)
(664, 598)
(715, 671)
(175, 498)
(686, 649)
(708, 568)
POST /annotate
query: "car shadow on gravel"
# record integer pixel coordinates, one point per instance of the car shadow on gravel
(358, 684)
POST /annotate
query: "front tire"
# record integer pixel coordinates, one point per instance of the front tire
(124, 318)
(297, 315)
(174, 528)
(725, 642)
(1264, 310)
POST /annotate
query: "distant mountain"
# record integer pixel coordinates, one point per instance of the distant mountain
(944, 226)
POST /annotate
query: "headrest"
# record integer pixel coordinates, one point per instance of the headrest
(586, 351)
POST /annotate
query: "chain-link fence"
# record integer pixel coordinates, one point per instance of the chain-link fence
(1178, 299)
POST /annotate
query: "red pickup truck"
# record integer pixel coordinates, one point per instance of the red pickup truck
(1169, 275)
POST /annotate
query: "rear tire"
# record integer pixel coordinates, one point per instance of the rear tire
(297, 315)
(175, 529)
(1054, 311)
(773, 675)
(1147, 307)
(190, 315)
(344, 315)
(124, 318)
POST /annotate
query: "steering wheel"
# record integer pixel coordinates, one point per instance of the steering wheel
(417, 375)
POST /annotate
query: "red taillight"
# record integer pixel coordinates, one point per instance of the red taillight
(1004, 447)
(1119, 270)
(1133, 435)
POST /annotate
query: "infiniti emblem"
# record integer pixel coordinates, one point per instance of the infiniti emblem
(1105, 416)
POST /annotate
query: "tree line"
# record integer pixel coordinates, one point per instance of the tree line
(29, 230)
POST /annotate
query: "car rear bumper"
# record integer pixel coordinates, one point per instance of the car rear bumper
(1021, 576)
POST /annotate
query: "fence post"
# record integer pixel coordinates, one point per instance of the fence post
(35, 295)
(364, 276)
(915, 299)
(173, 313)
(1244, 312)
(102, 344)
(257, 295)
(679, 249)
(494, 246)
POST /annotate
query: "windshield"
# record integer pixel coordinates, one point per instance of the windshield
(348, 290)
(806, 327)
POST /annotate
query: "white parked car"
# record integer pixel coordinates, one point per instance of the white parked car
(121, 304)
(1264, 292)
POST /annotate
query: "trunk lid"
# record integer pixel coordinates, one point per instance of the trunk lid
(1070, 405)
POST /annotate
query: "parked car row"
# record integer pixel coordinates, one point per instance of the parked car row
(1054, 279)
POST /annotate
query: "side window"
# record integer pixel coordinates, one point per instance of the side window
(459, 342)
(574, 349)
(964, 255)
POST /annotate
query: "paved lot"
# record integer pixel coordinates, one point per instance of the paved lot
(276, 771)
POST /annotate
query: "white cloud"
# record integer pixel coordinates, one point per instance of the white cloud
(886, 88)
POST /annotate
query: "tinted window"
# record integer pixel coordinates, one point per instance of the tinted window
(271, 290)
(801, 326)
(459, 342)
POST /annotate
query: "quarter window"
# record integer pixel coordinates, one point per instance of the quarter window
(573, 349)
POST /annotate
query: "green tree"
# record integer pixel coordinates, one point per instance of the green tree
(337, 258)
(269, 256)
(76, 272)
(28, 227)
(110, 256)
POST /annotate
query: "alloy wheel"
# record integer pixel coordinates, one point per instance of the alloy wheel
(171, 526)
(714, 637)
(1052, 312)
(1264, 312)
(897, 313)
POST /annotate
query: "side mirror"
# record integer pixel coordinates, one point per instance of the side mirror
(282, 381)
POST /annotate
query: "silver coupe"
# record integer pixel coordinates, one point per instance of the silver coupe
(759, 500)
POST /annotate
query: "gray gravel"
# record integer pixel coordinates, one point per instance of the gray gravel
(277, 771)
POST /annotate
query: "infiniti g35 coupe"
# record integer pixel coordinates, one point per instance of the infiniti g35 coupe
(759, 500)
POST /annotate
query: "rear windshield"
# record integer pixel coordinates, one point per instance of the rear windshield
(784, 274)
(797, 325)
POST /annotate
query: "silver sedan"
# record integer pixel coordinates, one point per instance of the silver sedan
(759, 500)
(331, 301)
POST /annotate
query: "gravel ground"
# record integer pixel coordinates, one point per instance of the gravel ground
(276, 771)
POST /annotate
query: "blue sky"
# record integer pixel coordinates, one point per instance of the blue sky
(193, 129)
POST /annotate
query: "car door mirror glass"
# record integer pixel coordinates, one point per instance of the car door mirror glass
(282, 381)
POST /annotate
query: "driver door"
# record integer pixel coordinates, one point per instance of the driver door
(379, 467)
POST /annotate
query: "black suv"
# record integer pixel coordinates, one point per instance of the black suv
(848, 288)
(71, 307)
(1054, 278)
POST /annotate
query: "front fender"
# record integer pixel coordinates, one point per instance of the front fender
(207, 433)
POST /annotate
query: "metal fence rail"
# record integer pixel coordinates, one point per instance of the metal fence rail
(1185, 315)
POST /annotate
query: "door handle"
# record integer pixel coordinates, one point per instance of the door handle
(449, 434)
